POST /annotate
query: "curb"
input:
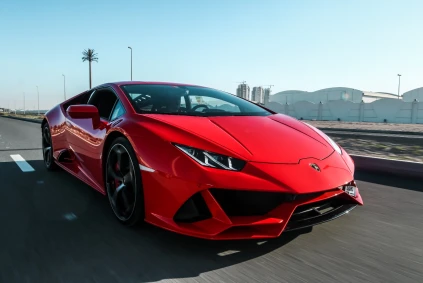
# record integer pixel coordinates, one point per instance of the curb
(400, 168)
(37, 121)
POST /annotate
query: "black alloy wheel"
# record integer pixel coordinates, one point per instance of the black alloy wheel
(123, 183)
(47, 148)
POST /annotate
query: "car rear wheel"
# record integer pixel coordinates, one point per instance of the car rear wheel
(123, 183)
(47, 147)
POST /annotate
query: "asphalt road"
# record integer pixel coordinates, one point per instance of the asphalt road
(53, 228)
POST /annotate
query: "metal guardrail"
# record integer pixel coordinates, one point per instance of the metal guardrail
(23, 119)
(27, 112)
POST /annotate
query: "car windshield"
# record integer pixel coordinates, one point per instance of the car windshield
(189, 100)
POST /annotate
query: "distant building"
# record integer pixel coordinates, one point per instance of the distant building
(267, 93)
(329, 94)
(417, 94)
(370, 96)
(243, 91)
(258, 94)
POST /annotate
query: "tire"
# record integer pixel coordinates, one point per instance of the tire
(47, 148)
(123, 182)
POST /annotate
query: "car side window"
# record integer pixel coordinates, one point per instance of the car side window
(104, 100)
(117, 111)
(78, 99)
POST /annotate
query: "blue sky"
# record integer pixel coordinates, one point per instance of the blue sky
(306, 45)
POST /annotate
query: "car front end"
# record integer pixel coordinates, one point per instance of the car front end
(216, 166)
(200, 197)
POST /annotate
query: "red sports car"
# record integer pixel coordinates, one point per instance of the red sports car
(199, 161)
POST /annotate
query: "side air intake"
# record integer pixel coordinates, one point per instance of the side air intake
(193, 210)
(65, 156)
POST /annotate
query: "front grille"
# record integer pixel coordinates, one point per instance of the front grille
(193, 210)
(251, 203)
(318, 212)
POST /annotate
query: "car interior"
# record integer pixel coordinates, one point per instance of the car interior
(104, 100)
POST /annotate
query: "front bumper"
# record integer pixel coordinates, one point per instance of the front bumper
(221, 205)
(208, 215)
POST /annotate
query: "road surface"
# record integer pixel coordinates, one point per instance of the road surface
(54, 228)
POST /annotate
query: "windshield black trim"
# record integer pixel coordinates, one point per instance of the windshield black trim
(265, 111)
(205, 115)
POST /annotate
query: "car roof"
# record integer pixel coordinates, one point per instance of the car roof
(148, 83)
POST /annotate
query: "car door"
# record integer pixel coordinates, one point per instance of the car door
(86, 141)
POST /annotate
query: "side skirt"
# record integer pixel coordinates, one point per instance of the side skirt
(86, 181)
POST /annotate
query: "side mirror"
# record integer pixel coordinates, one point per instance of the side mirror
(84, 112)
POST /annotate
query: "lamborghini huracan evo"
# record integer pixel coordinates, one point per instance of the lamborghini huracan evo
(199, 161)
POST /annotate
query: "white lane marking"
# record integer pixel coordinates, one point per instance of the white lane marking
(25, 167)
(229, 252)
(70, 216)
(145, 168)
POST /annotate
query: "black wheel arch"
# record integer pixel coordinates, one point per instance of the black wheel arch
(43, 122)
(107, 143)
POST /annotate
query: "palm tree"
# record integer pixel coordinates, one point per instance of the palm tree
(90, 56)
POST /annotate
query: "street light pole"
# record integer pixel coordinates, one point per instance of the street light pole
(38, 98)
(399, 84)
(131, 61)
(64, 86)
(24, 104)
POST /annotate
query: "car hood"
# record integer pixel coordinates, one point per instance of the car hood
(272, 139)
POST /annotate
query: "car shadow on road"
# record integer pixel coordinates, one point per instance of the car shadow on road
(44, 245)
(178, 256)
(413, 184)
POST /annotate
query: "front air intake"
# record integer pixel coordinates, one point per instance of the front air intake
(249, 203)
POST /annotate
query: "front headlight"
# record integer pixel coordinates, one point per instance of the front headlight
(210, 159)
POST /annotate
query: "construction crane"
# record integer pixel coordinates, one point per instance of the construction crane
(243, 82)
(270, 86)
